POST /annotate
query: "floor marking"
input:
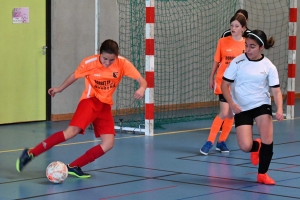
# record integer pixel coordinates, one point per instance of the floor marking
(280, 169)
(136, 136)
(92, 141)
(122, 195)
(244, 189)
(287, 167)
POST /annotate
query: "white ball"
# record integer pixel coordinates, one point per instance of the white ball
(57, 172)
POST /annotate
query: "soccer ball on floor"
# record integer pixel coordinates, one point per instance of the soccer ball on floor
(57, 172)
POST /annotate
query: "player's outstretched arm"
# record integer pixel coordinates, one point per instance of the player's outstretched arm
(71, 79)
(278, 101)
(141, 91)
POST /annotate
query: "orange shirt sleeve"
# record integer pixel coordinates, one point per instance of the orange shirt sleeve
(130, 70)
(218, 54)
(83, 68)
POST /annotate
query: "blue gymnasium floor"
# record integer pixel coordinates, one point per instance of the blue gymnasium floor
(166, 166)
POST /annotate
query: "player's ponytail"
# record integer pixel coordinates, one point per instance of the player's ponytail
(270, 42)
(261, 38)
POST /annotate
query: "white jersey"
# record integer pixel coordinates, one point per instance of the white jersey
(250, 81)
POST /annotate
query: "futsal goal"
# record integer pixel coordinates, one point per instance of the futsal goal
(186, 34)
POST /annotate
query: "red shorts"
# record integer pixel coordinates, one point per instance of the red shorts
(93, 111)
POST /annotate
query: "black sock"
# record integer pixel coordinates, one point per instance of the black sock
(265, 157)
(255, 146)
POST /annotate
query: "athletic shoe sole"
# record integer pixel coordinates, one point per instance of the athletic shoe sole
(74, 174)
(222, 151)
(203, 153)
(18, 165)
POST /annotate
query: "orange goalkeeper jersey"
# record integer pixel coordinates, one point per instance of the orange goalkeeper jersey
(101, 82)
(227, 50)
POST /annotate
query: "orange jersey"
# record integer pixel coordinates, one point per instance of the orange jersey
(227, 50)
(101, 82)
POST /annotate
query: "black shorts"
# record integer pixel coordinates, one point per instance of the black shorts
(222, 98)
(247, 117)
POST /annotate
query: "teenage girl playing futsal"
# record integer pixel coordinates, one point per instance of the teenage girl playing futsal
(102, 73)
(228, 32)
(228, 48)
(249, 77)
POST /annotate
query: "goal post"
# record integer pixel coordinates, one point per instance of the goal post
(292, 59)
(149, 67)
(183, 42)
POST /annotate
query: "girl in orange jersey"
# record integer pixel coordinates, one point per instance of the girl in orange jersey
(227, 49)
(102, 73)
(228, 32)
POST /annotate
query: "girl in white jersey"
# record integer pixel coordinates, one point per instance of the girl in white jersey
(249, 77)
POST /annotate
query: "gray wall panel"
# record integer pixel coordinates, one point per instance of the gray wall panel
(73, 33)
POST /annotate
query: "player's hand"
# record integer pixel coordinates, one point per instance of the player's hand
(139, 94)
(53, 91)
(279, 116)
(236, 109)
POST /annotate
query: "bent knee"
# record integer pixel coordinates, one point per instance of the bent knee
(71, 131)
(246, 148)
(106, 146)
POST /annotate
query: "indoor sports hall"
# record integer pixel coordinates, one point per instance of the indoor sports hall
(156, 148)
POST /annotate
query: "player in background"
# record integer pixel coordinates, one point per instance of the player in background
(249, 77)
(228, 32)
(102, 73)
(245, 14)
(227, 49)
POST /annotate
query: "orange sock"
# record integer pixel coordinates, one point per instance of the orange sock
(226, 128)
(215, 128)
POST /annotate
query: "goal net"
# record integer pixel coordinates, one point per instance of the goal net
(186, 35)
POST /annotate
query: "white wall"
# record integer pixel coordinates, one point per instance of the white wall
(73, 38)
(73, 29)
(73, 33)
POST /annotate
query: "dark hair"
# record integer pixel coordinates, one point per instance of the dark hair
(243, 12)
(109, 46)
(261, 38)
(239, 18)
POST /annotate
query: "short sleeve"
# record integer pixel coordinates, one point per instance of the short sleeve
(218, 55)
(273, 77)
(130, 70)
(230, 72)
(84, 68)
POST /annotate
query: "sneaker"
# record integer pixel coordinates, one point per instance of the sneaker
(76, 171)
(265, 179)
(205, 149)
(254, 157)
(24, 159)
(221, 146)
